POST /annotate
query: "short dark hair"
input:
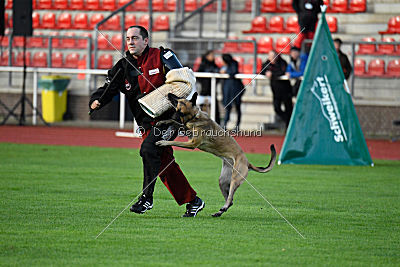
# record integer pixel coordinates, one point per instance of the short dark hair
(338, 40)
(227, 58)
(143, 31)
(294, 48)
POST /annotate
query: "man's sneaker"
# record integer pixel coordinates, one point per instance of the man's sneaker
(194, 207)
(142, 205)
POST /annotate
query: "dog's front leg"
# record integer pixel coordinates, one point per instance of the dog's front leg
(191, 144)
(167, 122)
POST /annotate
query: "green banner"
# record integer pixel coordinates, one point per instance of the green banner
(324, 127)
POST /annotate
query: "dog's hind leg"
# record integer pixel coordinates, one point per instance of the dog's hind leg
(225, 177)
(239, 173)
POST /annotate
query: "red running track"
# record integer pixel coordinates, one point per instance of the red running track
(73, 136)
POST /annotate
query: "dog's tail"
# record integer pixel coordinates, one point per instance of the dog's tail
(270, 164)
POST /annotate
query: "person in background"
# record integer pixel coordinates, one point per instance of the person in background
(140, 65)
(207, 65)
(307, 13)
(296, 67)
(344, 61)
(274, 68)
(232, 88)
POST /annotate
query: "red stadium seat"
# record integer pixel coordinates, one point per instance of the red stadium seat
(258, 25)
(55, 41)
(359, 67)
(121, 3)
(77, 4)
(6, 20)
(93, 5)
(144, 21)
(248, 67)
(393, 68)
(64, 21)
(116, 41)
(158, 5)
(328, 5)
(113, 24)
(9, 4)
(4, 41)
(49, 20)
(105, 61)
(109, 5)
(141, 5)
(96, 18)
(71, 61)
(196, 63)
(386, 48)
(292, 24)
(393, 26)
(44, 4)
(130, 20)
(190, 5)
(247, 47)
(285, 6)
(81, 21)
(367, 48)
(69, 42)
(83, 43)
(171, 5)
(282, 45)
(376, 67)
(161, 23)
(35, 41)
(268, 6)
(265, 44)
(60, 4)
(57, 60)
(20, 59)
(231, 47)
(247, 7)
(332, 23)
(276, 24)
(339, 6)
(5, 57)
(102, 42)
(358, 5)
(39, 59)
(18, 41)
(35, 20)
(213, 7)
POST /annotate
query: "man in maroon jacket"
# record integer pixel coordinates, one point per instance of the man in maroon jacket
(142, 71)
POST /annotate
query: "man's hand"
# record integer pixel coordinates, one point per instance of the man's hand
(268, 74)
(95, 104)
(287, 74)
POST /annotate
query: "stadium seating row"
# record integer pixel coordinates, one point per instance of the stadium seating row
(264, 45)
(277, 25)
(82, 22)
(111, 5)
(382, 49)
(40, 59)
(285, 6)
(376, 68)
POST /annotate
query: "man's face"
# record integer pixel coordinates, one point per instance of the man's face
(135, 42)
(337, 45)
(294, 54)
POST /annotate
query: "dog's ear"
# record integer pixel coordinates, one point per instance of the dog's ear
(194, 98)
(173, 99)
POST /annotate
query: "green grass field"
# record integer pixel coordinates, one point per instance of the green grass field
(56, 199)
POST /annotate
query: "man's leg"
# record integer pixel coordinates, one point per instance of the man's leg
(174, 179)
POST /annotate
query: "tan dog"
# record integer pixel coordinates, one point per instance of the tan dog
(208, 136)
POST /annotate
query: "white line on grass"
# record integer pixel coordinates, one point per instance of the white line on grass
(133, 200)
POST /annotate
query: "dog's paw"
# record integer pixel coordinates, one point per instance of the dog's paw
(162, 143)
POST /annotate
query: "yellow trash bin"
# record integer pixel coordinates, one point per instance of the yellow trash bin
(54, 97)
